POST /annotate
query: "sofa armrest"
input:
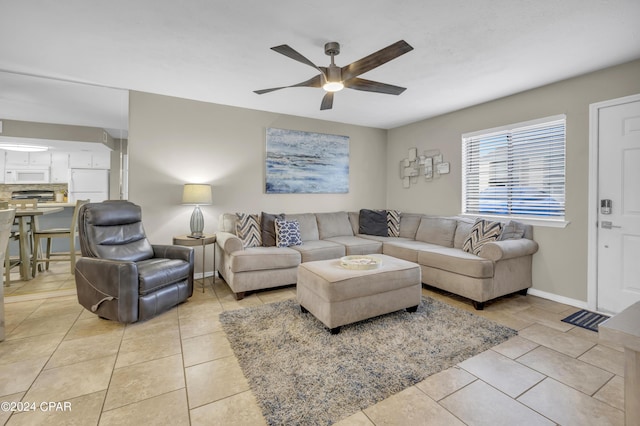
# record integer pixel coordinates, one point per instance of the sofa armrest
(228, 242)
(508, 249)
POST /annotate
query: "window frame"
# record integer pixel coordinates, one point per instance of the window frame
(510, 129)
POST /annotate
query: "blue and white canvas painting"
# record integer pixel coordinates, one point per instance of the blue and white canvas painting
(305, 163)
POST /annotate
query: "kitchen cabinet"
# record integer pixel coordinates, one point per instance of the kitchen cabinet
(89, 160)
(26, 160)
(59, 167)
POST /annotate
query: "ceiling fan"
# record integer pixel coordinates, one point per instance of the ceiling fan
(334, 78)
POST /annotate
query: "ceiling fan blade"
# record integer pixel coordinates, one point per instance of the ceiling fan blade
(289, 52)
(373, 86)
(327, 101)
(312, 82)
(376, 59)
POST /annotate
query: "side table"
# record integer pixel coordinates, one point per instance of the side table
(205, 240)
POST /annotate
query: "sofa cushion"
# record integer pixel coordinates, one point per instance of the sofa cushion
(308, 225)
(393, 223)
(319, 250)
(263, 258)
(268, 228)
(482, 232)
(333, 224)
(462, 231)
(405, 248)
(456, 261)
(512, 230)
(437, 230)
(287, 233)
(248, 229)
(373, 222)
(356, 245)
(409, 223)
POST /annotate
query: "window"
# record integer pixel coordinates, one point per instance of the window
(516, 171)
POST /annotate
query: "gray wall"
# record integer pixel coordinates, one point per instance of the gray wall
(173, 141)
(560, 267)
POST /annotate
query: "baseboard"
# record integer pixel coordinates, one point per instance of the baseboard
(557, 298)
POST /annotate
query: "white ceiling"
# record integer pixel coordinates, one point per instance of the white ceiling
(466, 51)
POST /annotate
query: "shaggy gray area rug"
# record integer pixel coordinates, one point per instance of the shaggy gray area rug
(302, 374)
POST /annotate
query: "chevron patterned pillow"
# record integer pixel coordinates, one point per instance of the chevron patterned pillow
(393, 223)
(482, 232)
(248, 229)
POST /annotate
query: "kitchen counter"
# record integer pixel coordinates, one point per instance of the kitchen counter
(54, 204)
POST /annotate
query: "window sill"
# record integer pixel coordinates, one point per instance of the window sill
(549, 223)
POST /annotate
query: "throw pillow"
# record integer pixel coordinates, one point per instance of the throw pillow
(248, 229)
(482, 232)
(393, 223)
(373, 222)
(287, 233)
(268, 227)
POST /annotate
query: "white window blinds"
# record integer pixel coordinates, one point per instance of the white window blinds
(516, 171)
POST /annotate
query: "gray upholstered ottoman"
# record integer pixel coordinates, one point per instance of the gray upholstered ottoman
(338, 296)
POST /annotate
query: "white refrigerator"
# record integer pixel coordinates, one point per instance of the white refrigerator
(88, 184)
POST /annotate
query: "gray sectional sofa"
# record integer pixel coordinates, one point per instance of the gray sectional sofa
(435, 243)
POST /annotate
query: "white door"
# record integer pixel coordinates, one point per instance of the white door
(618, 234)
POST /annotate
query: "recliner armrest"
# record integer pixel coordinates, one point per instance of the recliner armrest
(101, 280)
(173, 252)
(228, 242)
(508, 249)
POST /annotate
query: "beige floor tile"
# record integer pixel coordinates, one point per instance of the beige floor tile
(357, 419)
(544, 317)
(277, 295)
(593, 337)
(562, 342)
(515, 347)
(481, 404)
(570, 371)
(168, 409)
(197, 325)
(93, 326)
(501, 372)
(214, 380)
(5, 414)
(163, 322)
(410, 407)
(58, 306)
(29, 348)
(444, 383)
(18, 376)
(84, 349)
(40, 326)
(226, 412)
(605, 358)
(162, 344)
(83, 410)
(506, 319)
(145, 380)
(199, 308)
(206, 347)
(567, 406)
(612, 393)
(71, 381)
(548, 305)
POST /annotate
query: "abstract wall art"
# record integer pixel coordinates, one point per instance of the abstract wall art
(306, 163)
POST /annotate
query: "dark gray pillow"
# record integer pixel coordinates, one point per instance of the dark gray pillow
(268, 225)
(373, 222)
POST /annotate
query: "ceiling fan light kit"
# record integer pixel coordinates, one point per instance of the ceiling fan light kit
(334, 78)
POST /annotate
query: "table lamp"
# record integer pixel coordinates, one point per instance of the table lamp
(198, 194)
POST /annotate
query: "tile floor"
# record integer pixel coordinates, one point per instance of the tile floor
(178, 368)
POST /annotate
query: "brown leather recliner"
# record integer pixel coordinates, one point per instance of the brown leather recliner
(121, 276)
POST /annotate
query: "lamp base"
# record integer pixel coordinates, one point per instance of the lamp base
(197, 223)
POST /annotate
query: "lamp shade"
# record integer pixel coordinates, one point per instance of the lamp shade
(196, 193)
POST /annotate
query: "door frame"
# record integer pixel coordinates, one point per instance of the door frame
(593, 204)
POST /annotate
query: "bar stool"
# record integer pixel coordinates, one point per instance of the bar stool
(49, 234)
(10, 263)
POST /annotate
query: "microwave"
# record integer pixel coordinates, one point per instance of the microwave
(27, 176)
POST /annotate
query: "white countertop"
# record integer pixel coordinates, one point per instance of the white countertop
(54, 204)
